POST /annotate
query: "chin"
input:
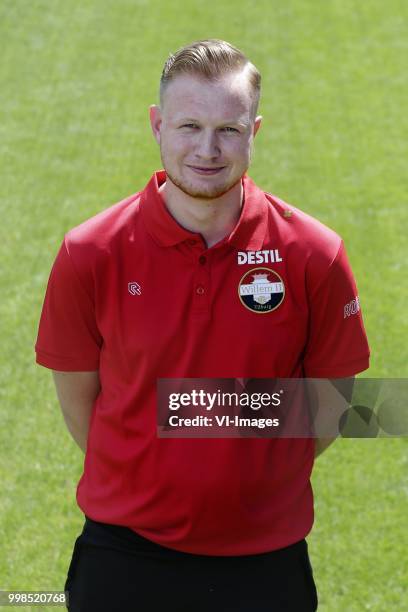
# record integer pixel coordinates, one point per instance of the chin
(199, 191)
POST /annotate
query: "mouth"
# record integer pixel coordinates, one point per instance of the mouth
(206, 171)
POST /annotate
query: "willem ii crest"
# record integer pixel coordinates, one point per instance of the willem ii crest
(261, 290)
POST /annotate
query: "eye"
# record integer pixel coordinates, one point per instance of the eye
(189, 125)
(229, 129)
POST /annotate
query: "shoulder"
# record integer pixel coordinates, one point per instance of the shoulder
(307, 238)
(103, 230)
(307, 231)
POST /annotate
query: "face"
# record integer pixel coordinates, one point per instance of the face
(205, 131)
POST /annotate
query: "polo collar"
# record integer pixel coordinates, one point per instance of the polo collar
(248, 234)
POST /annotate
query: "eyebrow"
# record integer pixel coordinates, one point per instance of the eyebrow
(192, 120)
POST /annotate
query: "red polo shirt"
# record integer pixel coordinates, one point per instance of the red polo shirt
(138, 297)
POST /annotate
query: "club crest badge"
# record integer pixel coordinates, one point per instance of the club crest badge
(261, 290)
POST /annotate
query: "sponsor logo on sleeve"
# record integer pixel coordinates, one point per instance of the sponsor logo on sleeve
(352, 307)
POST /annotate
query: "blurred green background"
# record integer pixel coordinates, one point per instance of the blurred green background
(77, 77)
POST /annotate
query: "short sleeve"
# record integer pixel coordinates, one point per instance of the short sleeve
(68, 336)
(337, 343)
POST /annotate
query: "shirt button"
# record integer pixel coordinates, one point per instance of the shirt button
(200, 290)
(202, 259)
(191, 242)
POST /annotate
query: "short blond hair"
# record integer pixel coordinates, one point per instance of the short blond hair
(210, 59)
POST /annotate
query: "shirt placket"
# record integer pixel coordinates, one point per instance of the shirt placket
(201, 279)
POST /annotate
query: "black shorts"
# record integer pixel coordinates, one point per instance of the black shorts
(113, 569)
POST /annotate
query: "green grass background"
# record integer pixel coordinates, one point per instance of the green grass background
(77, 77)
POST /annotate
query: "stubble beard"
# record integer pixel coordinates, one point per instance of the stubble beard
(194, 192)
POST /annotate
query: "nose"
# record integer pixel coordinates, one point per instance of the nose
(208, 145)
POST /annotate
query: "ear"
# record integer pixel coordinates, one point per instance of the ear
(257, 124)
(155, 121)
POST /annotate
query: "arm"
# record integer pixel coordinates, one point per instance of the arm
(76, 393)
(321, 445)
(337, 343)
(332, 398)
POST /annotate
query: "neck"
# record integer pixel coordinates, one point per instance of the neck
(213, 219)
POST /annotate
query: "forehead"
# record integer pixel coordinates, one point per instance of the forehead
(188, 95)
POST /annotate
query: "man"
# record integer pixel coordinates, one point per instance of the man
(152, 288)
